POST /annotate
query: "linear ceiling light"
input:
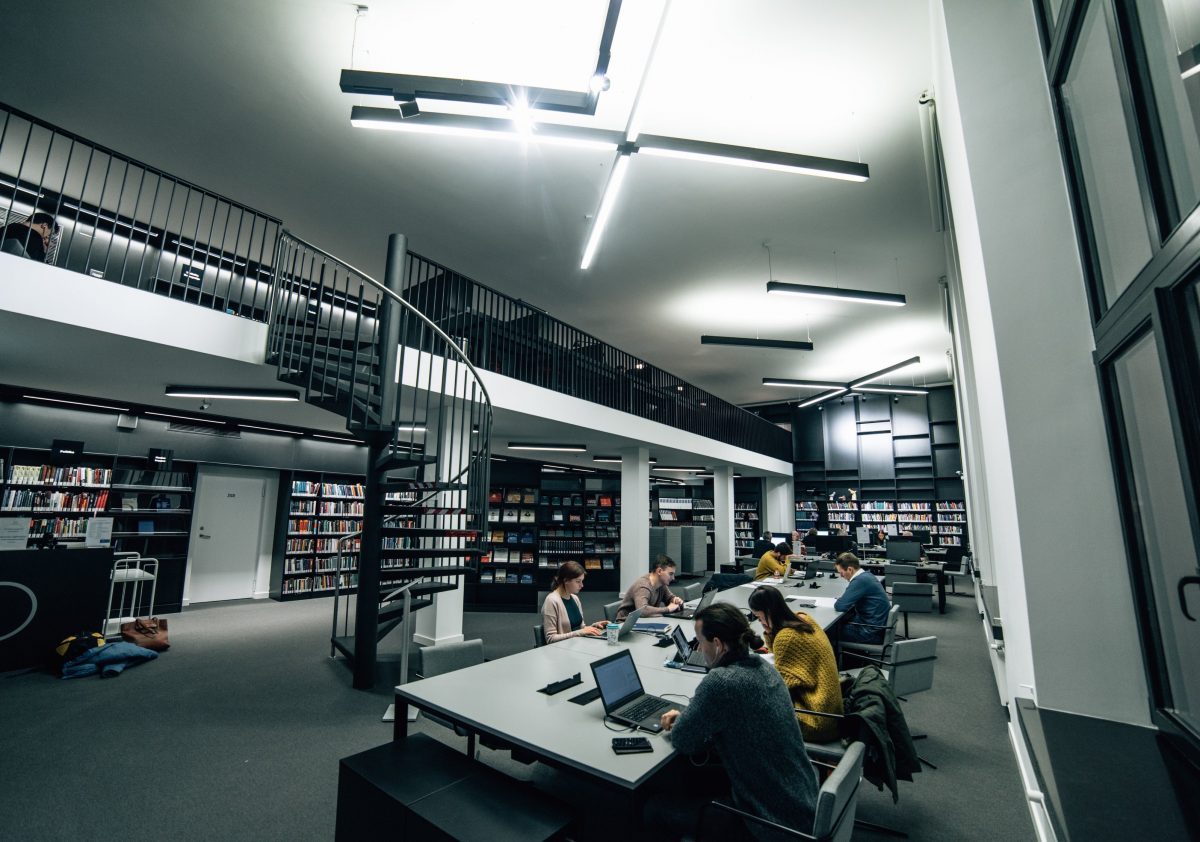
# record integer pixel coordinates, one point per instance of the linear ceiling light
(616, 459)
(679, 469)
(561, 448)
(210, 421)
(337, 439)
(611, 190)
(891, 390)
(824, 396)
(883, 372)
(232, 394)
(463, 125)
(77, 403)
(749, 342)
(746, 156)
(888, 299)
(415, 428)
(271, 430)
(799, 384)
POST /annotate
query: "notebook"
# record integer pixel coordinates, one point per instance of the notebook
(622, 694)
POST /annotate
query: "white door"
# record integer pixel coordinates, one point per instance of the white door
(226, 530)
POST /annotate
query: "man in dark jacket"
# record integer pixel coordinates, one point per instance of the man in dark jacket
(29, 238)
(864, 601)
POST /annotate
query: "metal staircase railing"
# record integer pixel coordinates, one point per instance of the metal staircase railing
(356, 347)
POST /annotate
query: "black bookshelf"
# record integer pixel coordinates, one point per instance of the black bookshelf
(315, 511)
(580, 520)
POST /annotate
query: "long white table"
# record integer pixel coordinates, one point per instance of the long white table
(500, 698)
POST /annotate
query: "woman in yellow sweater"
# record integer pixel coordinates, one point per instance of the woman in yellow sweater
(804, 658)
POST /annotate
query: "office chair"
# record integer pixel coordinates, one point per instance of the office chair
(909, 669)
(837, 803)
(912, 597)
(539, 636)
(691, 591)
(957, 565)
(610, 610)
(878, 651)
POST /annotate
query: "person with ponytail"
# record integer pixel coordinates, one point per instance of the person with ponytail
(562, 612)
(742, 711)
(804, 658)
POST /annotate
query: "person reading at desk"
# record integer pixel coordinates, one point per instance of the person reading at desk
(864, 601)
(562, 613)
(804, 659)
(651, 592)
(773, 562)
(742, 711)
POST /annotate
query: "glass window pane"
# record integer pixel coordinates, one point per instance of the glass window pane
(1105, 158)
(1171, 31)
(1159, 499)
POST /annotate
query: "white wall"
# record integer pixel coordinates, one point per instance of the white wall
(1056, 547)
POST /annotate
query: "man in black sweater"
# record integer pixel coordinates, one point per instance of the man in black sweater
(30, 238)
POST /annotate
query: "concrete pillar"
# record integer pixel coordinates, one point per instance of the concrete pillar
(723, 548)
(779, 504)
(635, 514)
(442, 622)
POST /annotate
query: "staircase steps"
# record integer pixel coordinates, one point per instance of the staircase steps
(394, 459)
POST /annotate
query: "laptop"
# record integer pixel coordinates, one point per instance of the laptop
(705, 600)
(624, 699)
(626, 627)
(688, 658)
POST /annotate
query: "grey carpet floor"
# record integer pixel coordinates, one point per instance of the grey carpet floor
(235, 733)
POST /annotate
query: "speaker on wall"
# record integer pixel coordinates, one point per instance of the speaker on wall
(126, 421)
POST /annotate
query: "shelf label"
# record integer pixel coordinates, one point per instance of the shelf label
(14, 533)
(99, 532)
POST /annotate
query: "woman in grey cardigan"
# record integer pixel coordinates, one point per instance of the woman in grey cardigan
(562, 612)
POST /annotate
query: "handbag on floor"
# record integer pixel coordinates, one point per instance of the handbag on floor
(147, 632)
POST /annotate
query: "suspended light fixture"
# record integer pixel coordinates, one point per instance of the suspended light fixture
(749, 342)
(888, 299)
(835, 390)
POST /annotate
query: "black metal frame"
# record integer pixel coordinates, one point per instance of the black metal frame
(1161, 301)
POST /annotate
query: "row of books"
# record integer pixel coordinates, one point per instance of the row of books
(585, 516)
(503, 555)
(21, 499)
(585, 532)
(512, 495)
(512, 516)
(61, 526)
(323, 526)
(553, 563)
(500, 536)
(339, 489)
(305, 488)
(297, 546)
(57, 475)
(745, 507)
(606, 501)
(911, 517)
(341, 507)
(952, 506)
(500, 576)
(568, 546)
(319, 582)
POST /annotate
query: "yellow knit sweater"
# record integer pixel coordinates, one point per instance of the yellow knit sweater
(806, 662)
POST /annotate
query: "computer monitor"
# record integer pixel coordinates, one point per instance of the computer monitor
(904, 550)
(921, 536)
(832, 544)
(781, 537)
(822, 531)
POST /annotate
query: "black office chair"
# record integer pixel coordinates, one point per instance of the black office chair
(539, 636)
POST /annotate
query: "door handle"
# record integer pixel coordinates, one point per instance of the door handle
(205, 537)
(1183, 583)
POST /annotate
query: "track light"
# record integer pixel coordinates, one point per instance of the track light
(887, 299)
(748, 342)
(232, 394)
(599, 83)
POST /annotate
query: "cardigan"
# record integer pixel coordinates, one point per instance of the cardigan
(806, 662)
(556, 625)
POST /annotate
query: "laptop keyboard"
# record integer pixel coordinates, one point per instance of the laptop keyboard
(642, 709)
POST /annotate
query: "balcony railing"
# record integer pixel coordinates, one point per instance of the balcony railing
(130, 223)
(516, 339)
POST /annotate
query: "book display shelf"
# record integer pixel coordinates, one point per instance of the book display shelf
(808, 515)
(151, 508)
(506, 569)
(315, 511)
(747, 515)
(580, 520)
(945, 520)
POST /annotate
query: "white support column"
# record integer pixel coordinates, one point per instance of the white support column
(723, 548)
(779, 504)
(635, 514)
(442, 622)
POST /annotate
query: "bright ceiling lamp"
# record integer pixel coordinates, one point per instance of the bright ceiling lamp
(750, 342)
(745, 156)
(282, 432)
(607, 202)
(465, 125)
(232, 394)
(883, 372)
(888, 299)
(824, 396)
(561, 448)
(891, 390)
(799, 384)
(679, 469)
(77, 403)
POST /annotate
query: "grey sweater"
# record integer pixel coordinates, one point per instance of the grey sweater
(744, 712)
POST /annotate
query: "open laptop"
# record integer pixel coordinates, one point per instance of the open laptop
(622, 694)
(626, 627)
(705, 600)
(689, 659)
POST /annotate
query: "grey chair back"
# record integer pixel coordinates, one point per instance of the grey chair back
(914, 597)
(691, 591)
(448, 657)
(896, 573)
(823, 565)
(610, 610)
(539, 636)
(911, 665)
(837, 800)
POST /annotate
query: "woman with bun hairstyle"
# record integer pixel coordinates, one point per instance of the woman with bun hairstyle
(562, 612)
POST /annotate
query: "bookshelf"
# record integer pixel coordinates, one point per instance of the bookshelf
(151, 508)
(950, 527)
(580, 520)
(506, 570)
(315, 510)
(808, 514)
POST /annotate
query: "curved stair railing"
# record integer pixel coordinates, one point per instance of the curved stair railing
(354, 346)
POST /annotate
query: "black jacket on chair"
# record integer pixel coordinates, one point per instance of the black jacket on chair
(873, 716)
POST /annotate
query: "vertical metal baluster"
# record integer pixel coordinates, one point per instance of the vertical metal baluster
(187, 198)
(59, 203)
(237, 241)
(87, 171)
(232, 265)
(149, 229)
(116, 218)
(17, 176)
(133, 218)
(208, 250)
(87, 261)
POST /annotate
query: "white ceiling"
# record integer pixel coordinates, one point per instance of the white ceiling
(243, 98)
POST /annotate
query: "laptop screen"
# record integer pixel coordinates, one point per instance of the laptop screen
(681, 642)
(617, 679)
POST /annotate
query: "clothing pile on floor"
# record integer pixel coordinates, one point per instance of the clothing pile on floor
(88, 653)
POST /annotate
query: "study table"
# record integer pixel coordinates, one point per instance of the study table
(500, 698)
(932, 568)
